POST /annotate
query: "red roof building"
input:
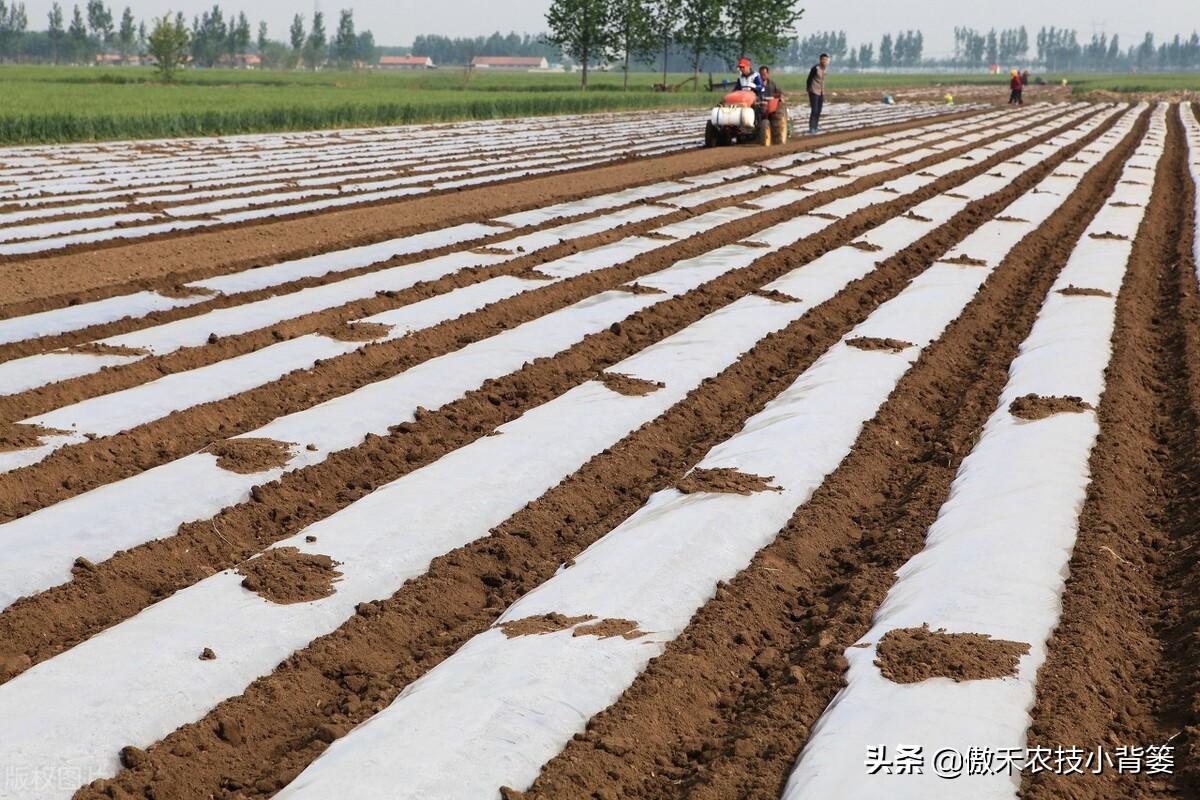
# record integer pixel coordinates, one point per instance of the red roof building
(406, 62)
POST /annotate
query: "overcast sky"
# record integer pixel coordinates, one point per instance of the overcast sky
(397, 21)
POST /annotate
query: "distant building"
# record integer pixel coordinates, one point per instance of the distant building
(110, 59)
(510, 62)
(406, 62)
(240, 61)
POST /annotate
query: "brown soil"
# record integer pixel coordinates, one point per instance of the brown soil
(285, 575)
(1032, 406)
(873, 343)
(250, 455)
(356, 331)
(912, 655)
(624, 384)
(1079, 291)
(535, 626)
(725, 480)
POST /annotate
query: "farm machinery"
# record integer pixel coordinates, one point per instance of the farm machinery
(742, 117)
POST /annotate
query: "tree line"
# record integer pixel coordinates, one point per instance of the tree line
(595, 32)
(211, 38)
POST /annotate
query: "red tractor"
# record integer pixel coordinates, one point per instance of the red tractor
(745, 117)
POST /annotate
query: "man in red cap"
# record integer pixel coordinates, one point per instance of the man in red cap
(747, 79)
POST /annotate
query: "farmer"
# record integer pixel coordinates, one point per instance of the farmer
(816, 92)
(1015, 86)
(746, 78)
(768, 87)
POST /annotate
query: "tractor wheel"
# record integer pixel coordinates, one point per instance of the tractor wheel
(712, 136)
(779, 128)
(763, 136)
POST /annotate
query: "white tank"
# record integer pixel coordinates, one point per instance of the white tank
(733, 117)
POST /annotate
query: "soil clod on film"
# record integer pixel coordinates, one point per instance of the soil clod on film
(725, 480)
(1109, 235)
(356, 331)
(285, 575)
(912, 655)
(1033, 406)
(1006, 218)
(543, 623)
(18, 436)
(754, 243)
(1083, 291)
(915, 216)
(637, 288)
(868, 247)
(776, 295)
(876, 343)
(249, 455)
(207, 654)
(102, 349)
(966, 261)
(609, 628)
(628, 385)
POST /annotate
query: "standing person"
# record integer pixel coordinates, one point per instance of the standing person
(1015, 86)
(816, 92)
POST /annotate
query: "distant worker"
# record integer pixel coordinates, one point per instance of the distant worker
(816, 92)
(1014, 86)
(1024, 79)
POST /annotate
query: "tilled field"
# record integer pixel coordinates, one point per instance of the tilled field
(579, 462)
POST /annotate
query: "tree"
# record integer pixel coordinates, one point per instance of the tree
(296, 32)
(314, 48)
(629, 31)
(866, 55)
(168, 44)
(885, 51)
(126, 34)
(13, 22)
(758, 28)
(345, 41)
(100, 22)
(662, 18)
(368, 53)
(210, 37)
(78, 36)
(262, 37)
(700, 30)
(239, 35)
(581, 29)
(55, 29)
